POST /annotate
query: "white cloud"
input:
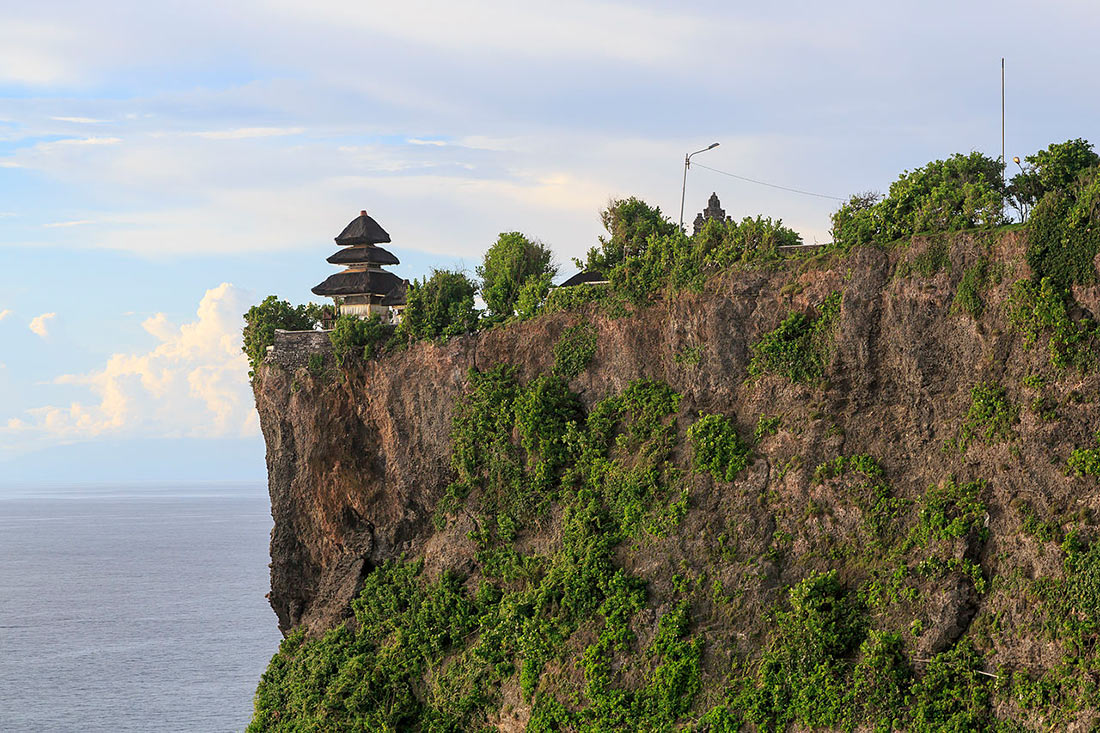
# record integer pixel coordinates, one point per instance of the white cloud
(77, 223)
(79, 120)
(38, 324)
(85, 141)
(418, 141)
(244, 133)
(193, 383)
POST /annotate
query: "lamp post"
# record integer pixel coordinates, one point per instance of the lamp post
(683, 189)
(1023, 204)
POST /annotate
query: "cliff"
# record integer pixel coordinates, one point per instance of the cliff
(890, 536)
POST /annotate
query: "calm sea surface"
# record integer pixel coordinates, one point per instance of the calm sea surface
(133, 609)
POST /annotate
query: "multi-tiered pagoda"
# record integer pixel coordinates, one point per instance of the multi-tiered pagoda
(364, 289)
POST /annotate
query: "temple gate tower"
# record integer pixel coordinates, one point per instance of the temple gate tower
(364, 289)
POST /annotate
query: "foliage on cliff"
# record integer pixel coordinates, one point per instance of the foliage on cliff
(262, 320)
(907, 540)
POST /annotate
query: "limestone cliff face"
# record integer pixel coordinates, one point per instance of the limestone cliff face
(358, 457)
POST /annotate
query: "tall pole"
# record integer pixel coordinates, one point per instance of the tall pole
(683, 189)
(1004, 163)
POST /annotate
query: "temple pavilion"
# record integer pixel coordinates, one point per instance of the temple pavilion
(363, 288)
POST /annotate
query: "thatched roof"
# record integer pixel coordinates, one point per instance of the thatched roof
(397, 295)
(363, 230)
(363, 254)
(585, 276)
(359, 282)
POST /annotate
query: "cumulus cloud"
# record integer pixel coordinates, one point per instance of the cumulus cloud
(38, 324)
(193, 383)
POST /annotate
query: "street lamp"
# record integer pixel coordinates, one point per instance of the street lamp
(1023, 204)
(683, 189)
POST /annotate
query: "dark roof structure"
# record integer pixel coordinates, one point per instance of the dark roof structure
(363, 230)
(363, 255)
(583, 277)
(397, 295)
(359, 282)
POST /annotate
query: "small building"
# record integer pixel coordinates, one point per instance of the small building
(364, 288)
(585, 277)
(714, 211)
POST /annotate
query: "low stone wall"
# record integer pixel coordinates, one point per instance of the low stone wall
(293, 348)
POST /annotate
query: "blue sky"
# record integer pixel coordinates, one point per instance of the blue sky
(163, 165)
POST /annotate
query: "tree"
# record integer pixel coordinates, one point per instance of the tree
(439, 307)
(507, 266)
(960, 192)
(1053, 169)
(262, 320)
(630, 223)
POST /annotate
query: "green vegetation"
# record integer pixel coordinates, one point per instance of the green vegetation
(1086, 461)
(440, 306)
(574, 350)
(766, 426)
(262, 320)
(968, 297)
(362, 337)
(517, 448)
(1042, 308)
(935, 257)
(990, 417)
(801, 346)
(950, 511)
(717, 448)
(961, 192)
(514, 266)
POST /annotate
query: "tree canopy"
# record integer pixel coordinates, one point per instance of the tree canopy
(439, 306)
(508, 265)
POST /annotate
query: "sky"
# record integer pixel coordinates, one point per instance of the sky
(166, 164)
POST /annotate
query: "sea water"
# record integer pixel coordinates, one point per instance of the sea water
(133, 608)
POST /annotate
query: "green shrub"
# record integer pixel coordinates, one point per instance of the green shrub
(1064, 233)
(991, 415)
(968, 296)
(574, 350)
(952, 510)
(1086, 461)
(573, 298)
(951, 694)
(935, 257)
(506, 268)
(766, 426)
(533, 295)
(800, 347)
(440, 306)
(717, 448)
(360, 337)
(262, 320)
(630, 224)
(1041, 308)
(961, 192)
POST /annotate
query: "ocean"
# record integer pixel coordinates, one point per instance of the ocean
(133, 608)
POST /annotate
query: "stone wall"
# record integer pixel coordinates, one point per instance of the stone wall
(292, 348)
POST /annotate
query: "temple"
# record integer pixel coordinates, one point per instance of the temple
(364, 289)
(714, 210)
